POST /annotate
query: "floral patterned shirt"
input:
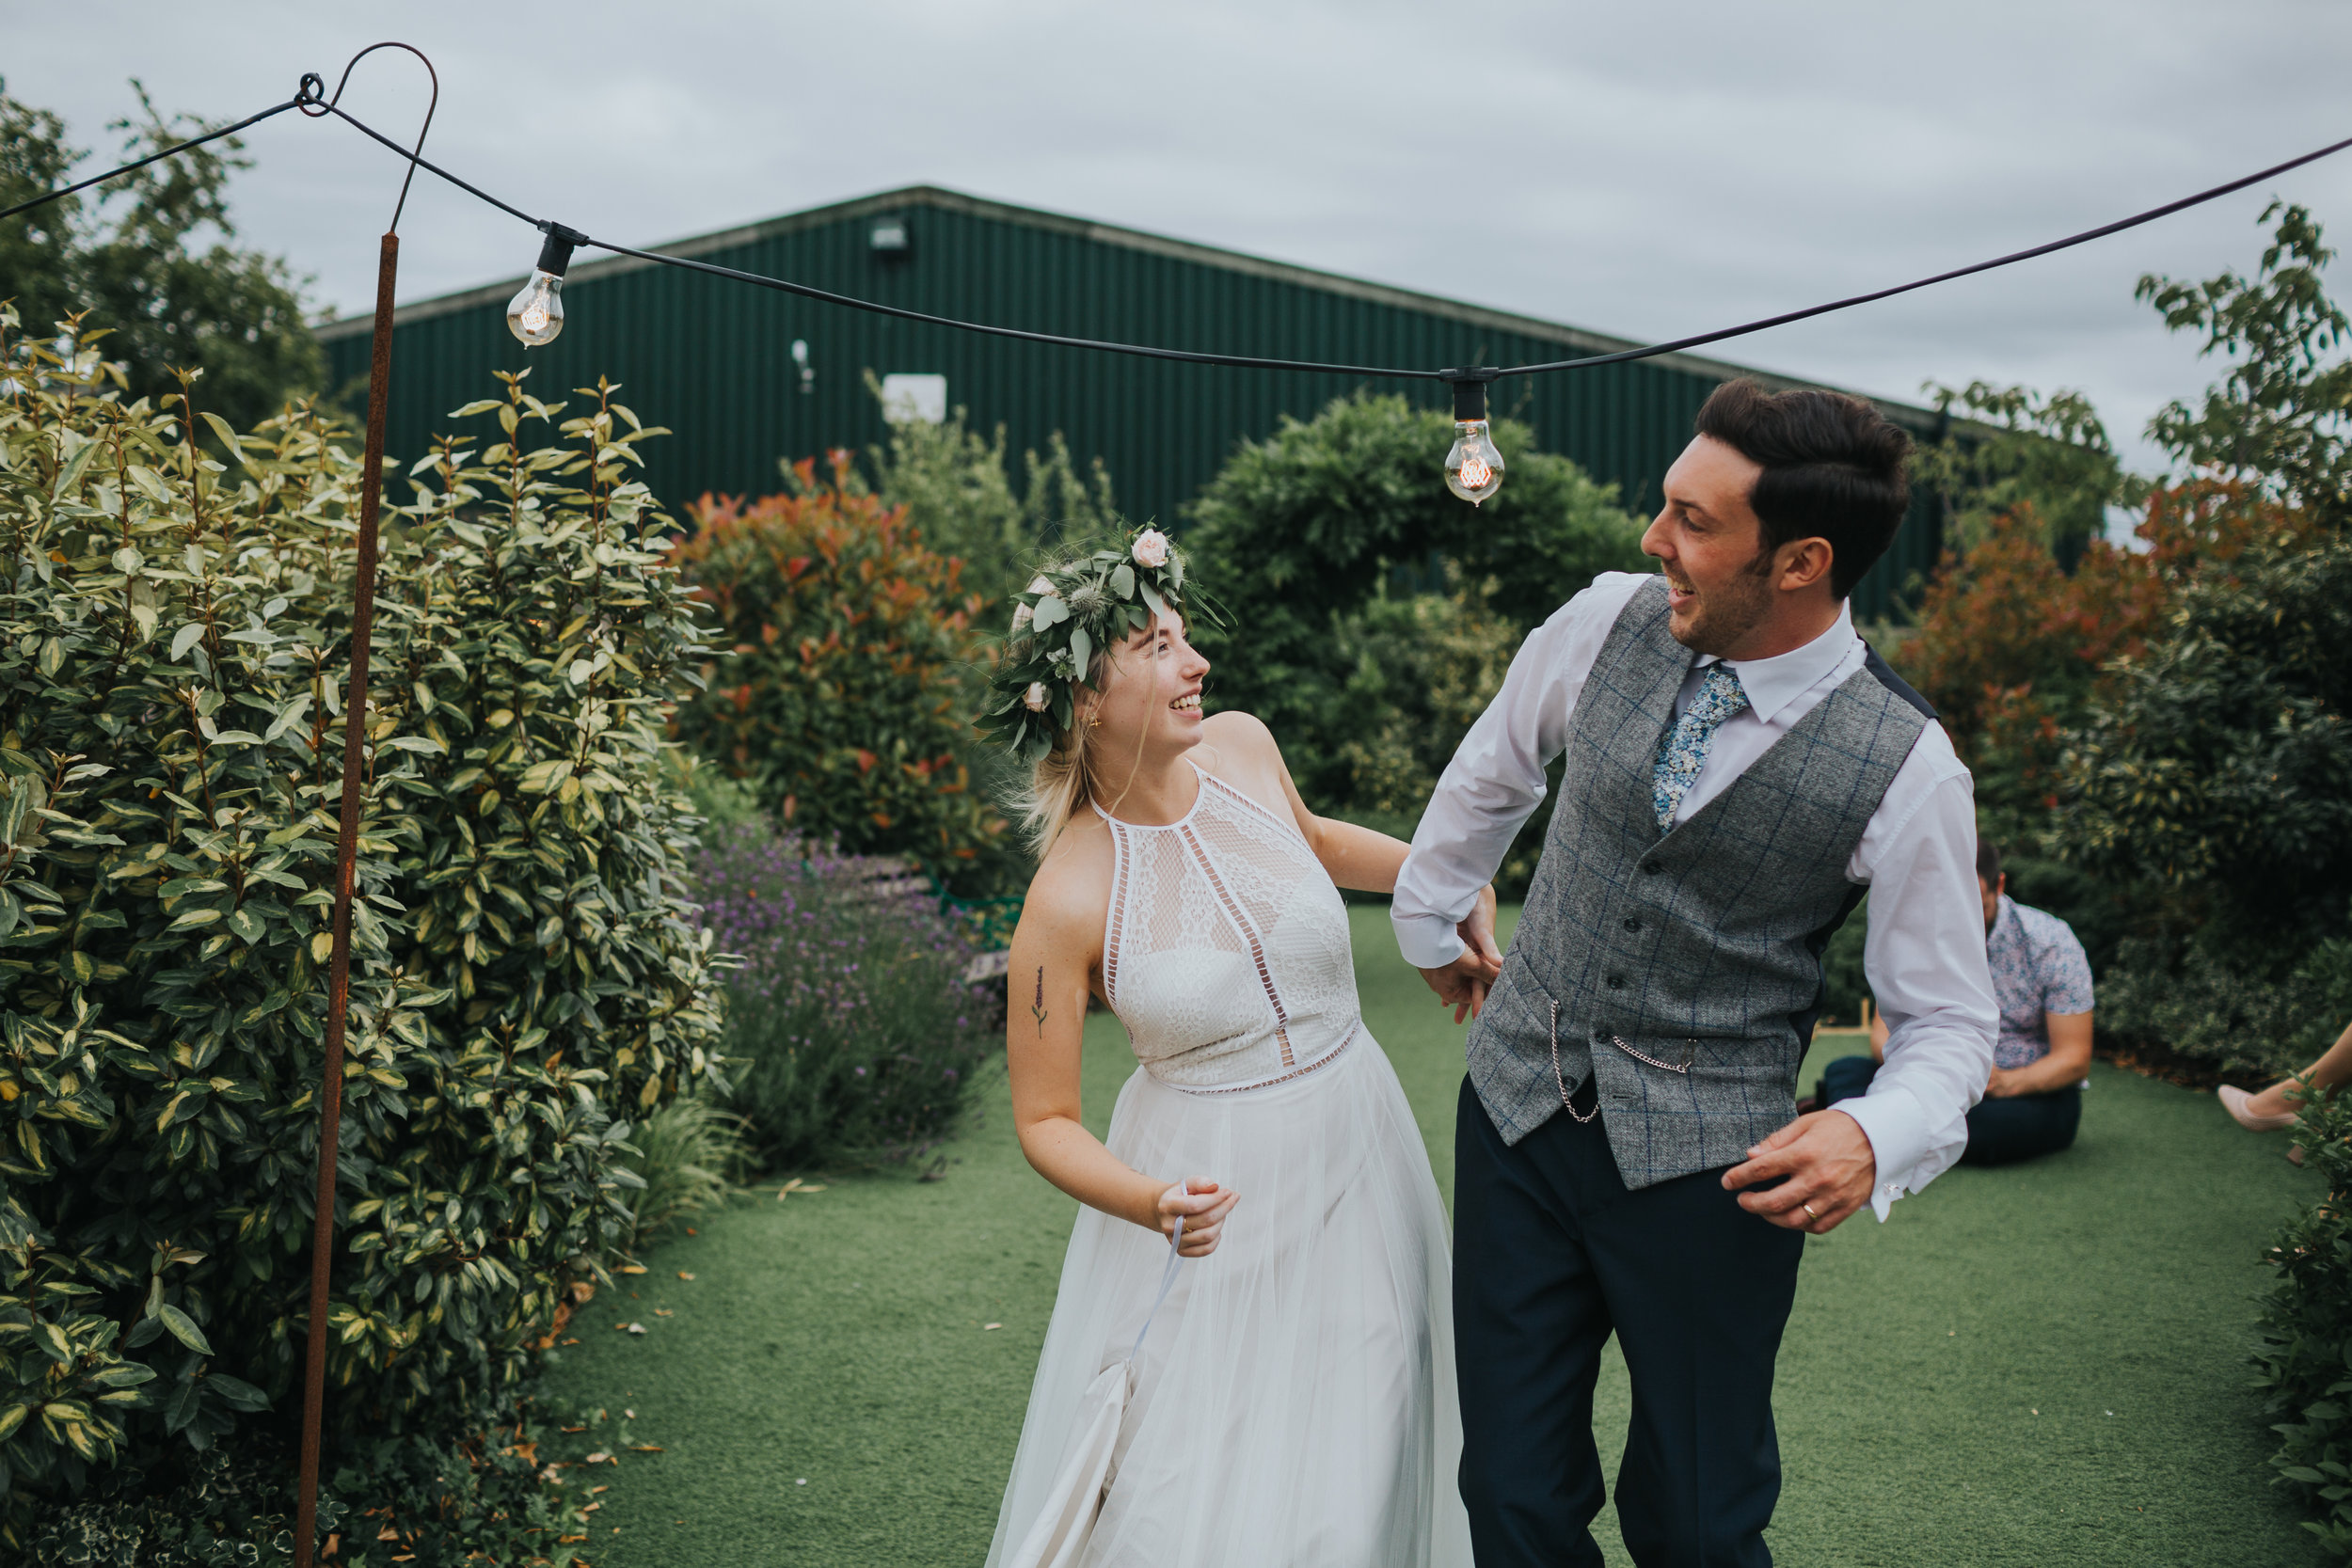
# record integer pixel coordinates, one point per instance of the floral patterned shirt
(2037, 967)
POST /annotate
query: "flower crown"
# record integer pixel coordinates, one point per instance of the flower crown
(1068, 614)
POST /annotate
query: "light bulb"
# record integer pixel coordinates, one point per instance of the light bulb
(535, 314)
(1473, 468)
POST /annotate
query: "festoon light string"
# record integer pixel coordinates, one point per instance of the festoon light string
(1473, 467)
(1473, 470)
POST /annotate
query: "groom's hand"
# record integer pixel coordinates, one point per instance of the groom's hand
(1462, 985)
(1828, 1164)
(1477, 931)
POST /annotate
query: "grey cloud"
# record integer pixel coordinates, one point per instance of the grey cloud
(1646, 170)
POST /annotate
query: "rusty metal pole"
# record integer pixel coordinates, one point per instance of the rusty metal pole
(346, 862)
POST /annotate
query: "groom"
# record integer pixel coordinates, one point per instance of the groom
(1740, 768)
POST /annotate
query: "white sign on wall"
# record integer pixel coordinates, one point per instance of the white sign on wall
(907, 398)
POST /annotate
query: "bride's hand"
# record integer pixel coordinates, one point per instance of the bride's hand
(1203, 1208)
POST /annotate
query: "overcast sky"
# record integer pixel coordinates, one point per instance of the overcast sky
(1643, 170)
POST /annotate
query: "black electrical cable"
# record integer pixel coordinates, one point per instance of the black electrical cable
(809, 291)
(313, 106)
(195, 141)
(309, 99)
(2087, 235)
(428, 164)
(1145, 351)
(1483, 373)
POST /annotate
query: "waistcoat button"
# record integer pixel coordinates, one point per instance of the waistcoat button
(1651, 868)
(1616, 982)
(1633, 922)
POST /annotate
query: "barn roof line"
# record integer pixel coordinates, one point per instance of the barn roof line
(893, 202)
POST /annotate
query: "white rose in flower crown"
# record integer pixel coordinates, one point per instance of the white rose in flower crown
(1041, 584)
(1035, 698)
(1150, 548)
(1021, 615)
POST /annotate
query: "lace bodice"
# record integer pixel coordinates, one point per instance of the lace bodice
(1225, 952)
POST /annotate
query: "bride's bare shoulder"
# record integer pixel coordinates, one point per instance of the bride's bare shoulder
(1239, 749)
(1242, 732)
(1070, 892)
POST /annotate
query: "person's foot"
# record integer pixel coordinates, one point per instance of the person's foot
(2240, 1106)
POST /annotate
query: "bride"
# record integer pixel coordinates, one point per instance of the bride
(1294, 1402)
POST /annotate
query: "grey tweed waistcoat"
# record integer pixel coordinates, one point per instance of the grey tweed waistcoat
(1681, 972)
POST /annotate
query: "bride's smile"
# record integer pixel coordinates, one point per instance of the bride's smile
(1261, 1230)
(1144, 716)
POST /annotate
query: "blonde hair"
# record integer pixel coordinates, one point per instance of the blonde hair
(1067, 778)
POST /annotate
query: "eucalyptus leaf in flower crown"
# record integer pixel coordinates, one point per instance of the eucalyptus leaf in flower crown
(1070, 612)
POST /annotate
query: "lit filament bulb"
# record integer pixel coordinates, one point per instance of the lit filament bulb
(1473, 468)
(535, 314)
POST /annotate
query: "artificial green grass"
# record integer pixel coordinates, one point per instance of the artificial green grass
(2037, 1365)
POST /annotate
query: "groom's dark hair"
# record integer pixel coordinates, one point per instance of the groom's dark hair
(1834, 469)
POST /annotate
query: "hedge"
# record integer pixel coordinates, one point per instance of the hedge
(173, 654)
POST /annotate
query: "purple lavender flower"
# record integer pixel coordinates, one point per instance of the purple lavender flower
(831, 979)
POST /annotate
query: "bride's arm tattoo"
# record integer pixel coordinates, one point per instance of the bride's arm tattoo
(1037, 1008)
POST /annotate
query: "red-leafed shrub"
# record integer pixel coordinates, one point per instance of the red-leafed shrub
(2011, 649)
(2019, 654)
(844, 703)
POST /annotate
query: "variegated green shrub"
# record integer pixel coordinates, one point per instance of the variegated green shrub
(173, 653)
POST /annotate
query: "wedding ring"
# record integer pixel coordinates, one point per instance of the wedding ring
(1808, 1209)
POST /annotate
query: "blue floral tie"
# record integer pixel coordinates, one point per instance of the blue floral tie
(1684, 752)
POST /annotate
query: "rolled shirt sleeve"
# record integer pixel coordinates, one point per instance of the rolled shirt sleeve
(1924, 954)
(1496, 778)
(1924, 957)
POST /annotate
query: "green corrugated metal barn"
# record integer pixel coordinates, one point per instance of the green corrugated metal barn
(713, 359)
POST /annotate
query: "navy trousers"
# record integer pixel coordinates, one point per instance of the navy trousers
(1551, 1255)
(2000, 1131)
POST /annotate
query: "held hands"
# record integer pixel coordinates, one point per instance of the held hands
(1462, 985)
(1204, 1205)
(1829, 1165)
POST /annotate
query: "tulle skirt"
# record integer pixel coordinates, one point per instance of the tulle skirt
(1294, 1404)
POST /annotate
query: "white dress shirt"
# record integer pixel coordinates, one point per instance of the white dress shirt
(1925, 951)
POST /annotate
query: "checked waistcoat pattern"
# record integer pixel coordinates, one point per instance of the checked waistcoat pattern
(1684, 754)
(1677, 972)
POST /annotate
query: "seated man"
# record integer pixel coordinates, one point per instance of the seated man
(2033, 1103)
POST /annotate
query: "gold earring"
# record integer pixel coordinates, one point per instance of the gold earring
(1094, 720)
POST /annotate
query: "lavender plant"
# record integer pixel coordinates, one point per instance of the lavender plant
(852, 1035)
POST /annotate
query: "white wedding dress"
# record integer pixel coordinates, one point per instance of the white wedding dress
(1293, 1404)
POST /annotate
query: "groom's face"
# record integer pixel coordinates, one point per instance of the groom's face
(1707, 541)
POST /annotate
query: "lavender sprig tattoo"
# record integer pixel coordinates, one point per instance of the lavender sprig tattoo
(1037, 1008)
